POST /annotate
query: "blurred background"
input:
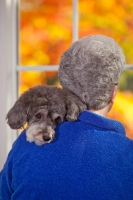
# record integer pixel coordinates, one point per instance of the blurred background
(39, 31)
(45, 32)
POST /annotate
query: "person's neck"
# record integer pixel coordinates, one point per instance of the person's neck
(103, 112)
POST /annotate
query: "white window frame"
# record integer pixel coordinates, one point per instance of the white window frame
(3, 85)
(10, 68)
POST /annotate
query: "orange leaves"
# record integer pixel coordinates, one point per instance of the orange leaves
(123, 111)
(46, 32)
(29, 79)
(39, 22)
(112, 18)
(43, 27)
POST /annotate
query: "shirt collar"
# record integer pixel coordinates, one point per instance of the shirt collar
(102, 122)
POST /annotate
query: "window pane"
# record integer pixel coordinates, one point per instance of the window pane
(123, 106)
(45, 31)
(29, 79)
(110, 17)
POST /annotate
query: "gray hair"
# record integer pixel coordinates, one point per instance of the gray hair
(90, 69)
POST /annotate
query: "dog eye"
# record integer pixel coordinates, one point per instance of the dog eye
(38, 116)
(58, 120)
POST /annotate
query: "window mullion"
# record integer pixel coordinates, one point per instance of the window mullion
(75, 21)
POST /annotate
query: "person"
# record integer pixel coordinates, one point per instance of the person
(91, 158)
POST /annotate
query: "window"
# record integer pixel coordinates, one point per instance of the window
(47, 28)
(38, 32)
(45, 31)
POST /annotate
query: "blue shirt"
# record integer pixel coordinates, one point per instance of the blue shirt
(90, 159)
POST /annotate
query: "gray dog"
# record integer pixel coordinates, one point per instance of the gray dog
(43, 108)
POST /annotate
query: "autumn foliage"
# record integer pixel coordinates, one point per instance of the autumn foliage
(46, 32)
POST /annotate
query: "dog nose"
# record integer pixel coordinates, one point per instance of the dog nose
(47, 138)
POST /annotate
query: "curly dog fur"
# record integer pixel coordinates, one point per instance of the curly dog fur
(43, 108)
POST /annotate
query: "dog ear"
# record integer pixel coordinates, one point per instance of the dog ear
(56, 118)
(17, 115)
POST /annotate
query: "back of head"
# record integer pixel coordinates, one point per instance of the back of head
(90, 68)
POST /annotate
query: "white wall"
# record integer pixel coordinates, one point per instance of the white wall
(8, 74)
(3, 84)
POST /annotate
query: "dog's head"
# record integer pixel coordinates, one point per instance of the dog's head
(43, 108)
(41, 121)
(41, 125)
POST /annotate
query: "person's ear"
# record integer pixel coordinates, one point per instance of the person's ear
(114, 94)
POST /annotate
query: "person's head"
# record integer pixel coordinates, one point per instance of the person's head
(91, 69)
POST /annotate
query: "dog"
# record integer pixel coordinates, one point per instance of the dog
(42, 108)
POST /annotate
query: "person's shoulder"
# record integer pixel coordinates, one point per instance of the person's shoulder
(21, 139)
(20, 145)
(125, 140)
